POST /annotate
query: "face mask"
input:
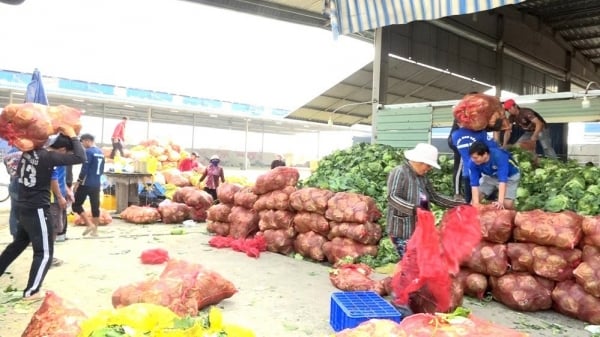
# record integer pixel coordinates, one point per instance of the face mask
(214, 162)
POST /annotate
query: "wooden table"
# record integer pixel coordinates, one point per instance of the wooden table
(126, 187)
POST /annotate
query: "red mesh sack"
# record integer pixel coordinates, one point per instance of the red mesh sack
(173, 212)
(242, 222)
(54, 318)
(591, 229)
(154, 256)
(245, 198)
(522, 291)
(275, 219)
(218, 227)
(62, 115)
(310, 244)
(590, 253)
(309, 221)
(226, 192)
(140, 214)
(571, 299)
(489, 259)
(279, 240)
(368, 233)
(352, 207)
(198, 199)
(310, 199)
(496, 224)
(218, 212)
(221, 241)
(341, 248)
(429, 325)
(478, 111)
(181, 194)
(520, 256)
(354, 277)
(278, 199)
(555, 263)
(104, 219)
(587, 275)
(562, 230)
(252, 246)
(276, 179)
(460, 232)
(432, 256)
(474, 284)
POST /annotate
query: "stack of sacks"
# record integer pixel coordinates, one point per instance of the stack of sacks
(546, 260)
(310, 222)
(270, 197)
(489, 257)
(218, 215)
(198, 201)
(580, 298)
(275, 220)
(243, 219)
(353, 228)
(544, 256)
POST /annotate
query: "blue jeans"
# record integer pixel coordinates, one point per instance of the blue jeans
(13, 218)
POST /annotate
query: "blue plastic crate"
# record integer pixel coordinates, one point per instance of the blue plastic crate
(349, 309)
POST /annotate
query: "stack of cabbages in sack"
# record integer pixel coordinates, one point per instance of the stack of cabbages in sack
(218, 215)
(479, 112)
(276, 219)
(353, 226)
(197, 200)
(310, 223)
(538, 260)
(27, 126)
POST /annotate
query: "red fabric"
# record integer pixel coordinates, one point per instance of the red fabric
(154, 256)
(188, 164)
(119, 132)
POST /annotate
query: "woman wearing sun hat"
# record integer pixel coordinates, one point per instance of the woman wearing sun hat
(408, 189)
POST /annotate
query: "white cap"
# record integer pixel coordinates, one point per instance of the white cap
(423, 153)
(214, 156)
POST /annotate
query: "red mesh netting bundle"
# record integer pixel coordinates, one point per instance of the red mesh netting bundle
(251, 246)
(479, 111)
(432, 255)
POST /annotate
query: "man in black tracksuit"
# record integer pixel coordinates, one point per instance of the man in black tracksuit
(34, 174)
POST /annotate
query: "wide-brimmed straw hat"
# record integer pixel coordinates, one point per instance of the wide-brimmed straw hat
(423, 153)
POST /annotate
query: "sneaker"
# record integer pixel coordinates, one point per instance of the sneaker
(61, 238)
(56, 262)
(34, 298)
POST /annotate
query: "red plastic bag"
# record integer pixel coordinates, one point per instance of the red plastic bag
(154, 256)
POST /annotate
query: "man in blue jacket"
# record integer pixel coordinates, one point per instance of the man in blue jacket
(462, 139)
(493, 169)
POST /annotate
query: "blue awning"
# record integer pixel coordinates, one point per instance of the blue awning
(351, 16)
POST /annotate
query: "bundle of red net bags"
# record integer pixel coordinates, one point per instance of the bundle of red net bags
(28, 126)
(434, 255)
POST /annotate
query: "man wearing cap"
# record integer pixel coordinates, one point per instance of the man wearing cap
(213, 173)
(408, 189)
(532, 123)
(190, 163)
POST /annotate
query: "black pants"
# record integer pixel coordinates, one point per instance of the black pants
(212, 192)
(35, 228)
(81, 194)
(117, 146)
